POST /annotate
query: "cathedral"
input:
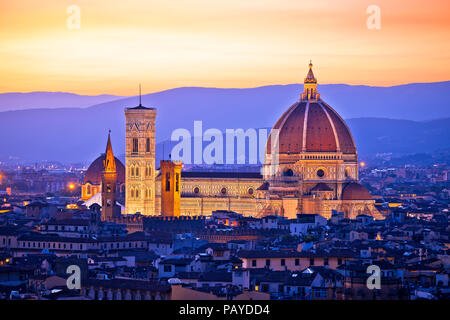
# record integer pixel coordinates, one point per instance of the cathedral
(310, 167)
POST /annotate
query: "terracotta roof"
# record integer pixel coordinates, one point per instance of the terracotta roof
(95, 171)
(355, 191)
(324, 130)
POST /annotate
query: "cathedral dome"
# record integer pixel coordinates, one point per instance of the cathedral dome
(311, 125)
(355, 191)
(95, 171)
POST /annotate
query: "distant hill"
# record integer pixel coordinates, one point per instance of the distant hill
(377, 135)
(79, 134)
(35, 100)
(380, 135)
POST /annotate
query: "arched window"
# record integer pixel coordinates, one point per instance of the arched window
(288, 173)
(135, 145)
(88, 189)
(167, 181)
(132, 193)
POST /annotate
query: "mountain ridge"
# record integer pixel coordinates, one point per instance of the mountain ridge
(79, 134)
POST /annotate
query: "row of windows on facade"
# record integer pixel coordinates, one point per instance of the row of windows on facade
(113, 295)
(94, 190)
(136, 145)
(65, 228)
(134, 171)
(38, 244)
(48, 245)
(177, 182)
(289, 173)
(136, 194)
(296, 262)
(80, 246)
(300, 291)
(317, 157)
(224, 190)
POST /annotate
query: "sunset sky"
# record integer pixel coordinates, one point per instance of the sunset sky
(165, 44)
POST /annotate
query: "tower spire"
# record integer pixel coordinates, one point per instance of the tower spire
(140, 104)
(109, 163)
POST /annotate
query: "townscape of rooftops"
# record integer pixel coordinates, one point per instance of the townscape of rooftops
(306, 229)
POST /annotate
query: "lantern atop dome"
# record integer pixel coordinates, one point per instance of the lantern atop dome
(310, 86)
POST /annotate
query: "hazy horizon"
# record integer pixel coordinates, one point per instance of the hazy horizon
(207, 87)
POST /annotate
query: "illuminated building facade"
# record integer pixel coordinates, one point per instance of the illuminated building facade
(316, 170)
(140, 160)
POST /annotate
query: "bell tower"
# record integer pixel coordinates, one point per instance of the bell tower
(110, 210)
(140, 160)
(170, 188)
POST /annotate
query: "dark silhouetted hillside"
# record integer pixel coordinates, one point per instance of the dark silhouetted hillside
(76, 134)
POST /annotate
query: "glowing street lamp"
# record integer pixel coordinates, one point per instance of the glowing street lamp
(71, 186)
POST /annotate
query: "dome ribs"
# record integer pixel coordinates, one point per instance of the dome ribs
(319, 132)
(291, 130)
(96, 168)
(347, 144)
(312, 126)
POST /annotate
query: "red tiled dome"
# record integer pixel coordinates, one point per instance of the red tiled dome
(312, 127)
(95, 170)
(355, 191)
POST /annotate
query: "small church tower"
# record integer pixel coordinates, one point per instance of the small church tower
(110, 210)
(170, 188)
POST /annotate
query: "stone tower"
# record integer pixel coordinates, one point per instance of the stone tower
(140, 160)
(170, 188)
(110, 210)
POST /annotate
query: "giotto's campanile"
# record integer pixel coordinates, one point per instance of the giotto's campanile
(140, 160)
